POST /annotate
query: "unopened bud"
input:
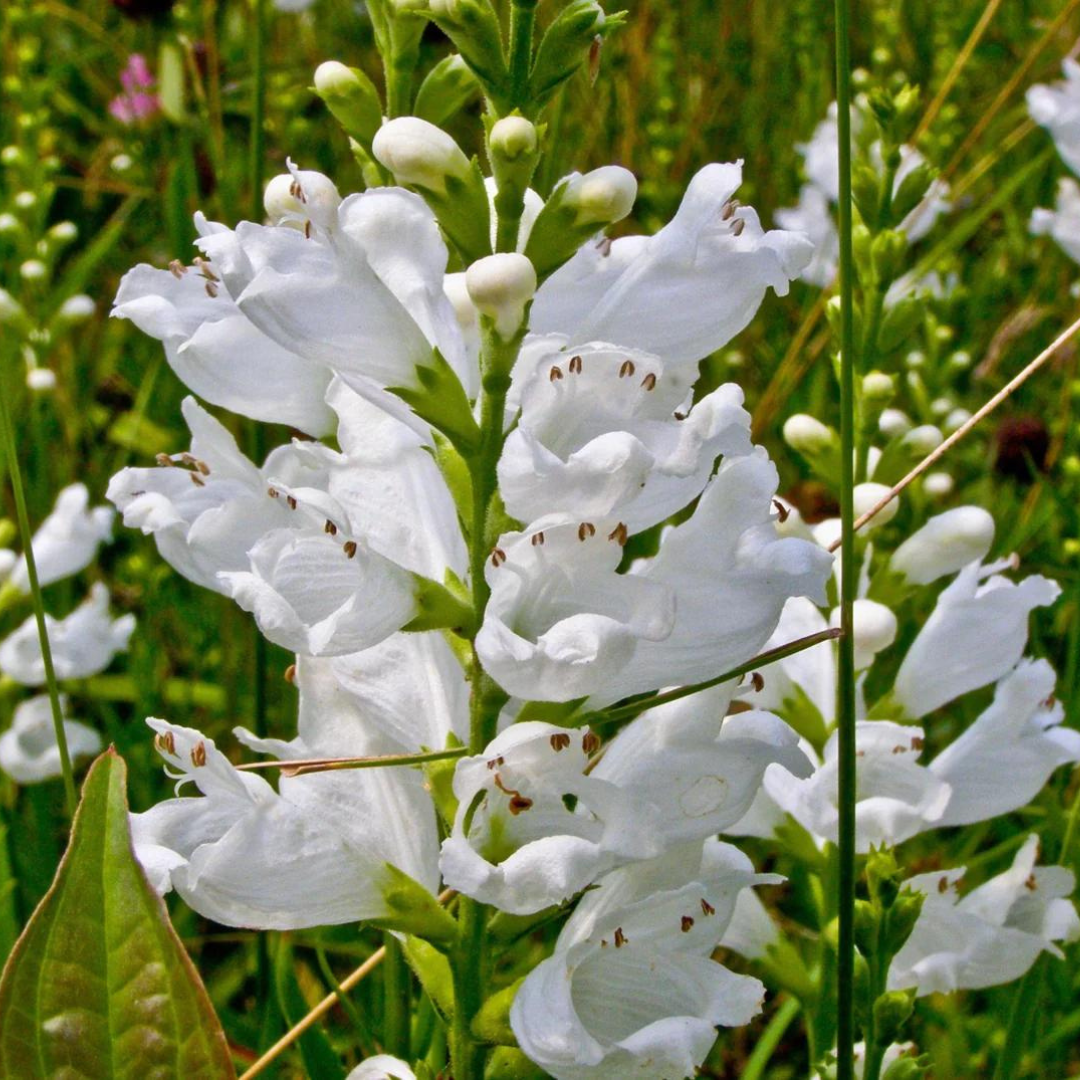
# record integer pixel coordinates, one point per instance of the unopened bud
(419, 153)
(513, 137)
(957, 418)
(77, 308)
(944, 544)
(891, 1011)
(806, 434)
(867, 496)
(10, 308)
(878, 388)
(894, 422)
(938, 484)
(603, 196)
(351, 98)
(501, 286)
(40, 379)
(875, 630)
(923, 440)
(33, 270)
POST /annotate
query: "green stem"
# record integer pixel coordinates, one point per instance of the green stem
(26, 536)
(397, 1007)
(469, 974)
(770, 1038)
(845, 966)
(256, 150)
(522, 18)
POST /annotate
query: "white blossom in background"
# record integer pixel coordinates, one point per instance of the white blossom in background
(319, 850)
(382, 1067)
(991, 936)
(83, 643)
(28, 750)
(630, 990)
(67, 540)
(1062, 224)
(944, 545)
(1057, 108)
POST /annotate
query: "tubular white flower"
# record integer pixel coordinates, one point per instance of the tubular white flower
(302, 199)
(751, 932)
(944, 545)
(994, 934)
(28, 750)
(419, 153)
(83, 644)
(867, 496)
(807, 434)
(601, 435)
(216, 351)
(682, 293)
(1003, 760)
(813, 217)
(1062, 223)
(314, 853)
(67, 540)
(630, 990)
(1057, 108)
(953, 652)
(522, 848)
(501, 286)
(896, 797)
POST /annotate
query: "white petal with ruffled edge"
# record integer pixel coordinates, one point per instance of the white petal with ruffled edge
(28, 749)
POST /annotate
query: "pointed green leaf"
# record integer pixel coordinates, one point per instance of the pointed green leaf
(99, 985)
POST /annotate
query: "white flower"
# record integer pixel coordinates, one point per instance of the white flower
(896, 798)
(316, 852)
(67, 540)
(630, 990)
(1003, 760)
(303, 199)
(83, 644)
(28, 750)
(813, 216)
(1063, 222)
(944, 545)
(682, 293)
(542, 830)
(694, 770)
(382, 1067)
(562, 624)
(608, 432)
(217, 351)
(991, 936)
(954, 652)
(1057, 108)
(751, 932)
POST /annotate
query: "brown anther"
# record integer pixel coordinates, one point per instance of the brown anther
(620, 938)
(917, 743)
(626, 368)
(197, 480)
(163, 460)
(898, 749)
(649, 382)
(590, 742)
(291, 502)
(560, 741)
(518, 802)
(349, 548)
(603, 943)
(585, 530)
(295, 190)
(307, 230)
(757, 681)
(165, 743)
(494, 763)
(202, 467)
(205, 270)
(198, 754)
(575, 365)
(680, 416)
(782, 512)
(211, 290)
(619, 534)
(273, 493)
(603, 245)
(687, 924)
(330, 528)
(188, 460)
(290, 674)
(537, 539)
(737, 227)
(177, 268)
(498, 557)
(1031, 884)
(706, 907)
(555, 374)
(1049, 702)
(728, 210)
(943, 884)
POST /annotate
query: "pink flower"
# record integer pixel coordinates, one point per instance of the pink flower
(136, 103)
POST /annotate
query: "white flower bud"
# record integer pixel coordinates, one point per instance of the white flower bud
(121, 163)
(603, 196)
(8, 223)
(513, 137)
(419, 153)
(333, 77)
(944, 545)
(64, 231)
(24, 200)
(867, 496)
(33, 270)
(77, 308)
(10, 308)
(804, 433)
(938, 484)
(894, 422)
(923, 439)
(957, 418)
(500, 286)
(877, 386)
(41, 379)
(875, 630)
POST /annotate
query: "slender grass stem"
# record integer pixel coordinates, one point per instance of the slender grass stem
(845, 966)
(257, 140)
(770, 1038)
(26, 537)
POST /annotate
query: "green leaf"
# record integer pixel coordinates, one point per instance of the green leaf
(99, 985)
(447, 88)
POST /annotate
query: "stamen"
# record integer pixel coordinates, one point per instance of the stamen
(687, 924)
(330, 527)
(164, 460)
(307, 229)
(273, 493)
(619, 534)
(202, 467)
(626, 369)
(494, 763)
(782, 512)
(680, 416)
(560, 741)
(349, 548)
(649, 382)
(757, 681)
(738, 226)
(706, 907)
(177, 269)
(943, 884)
(198, 754)
(537, 539)
(197, 480)
(585, 530)
(165, 742)
(518, 802)
(555, 374)
(1031, 884)
(291, 501)
(205, 270)
(498, 557)
(917, 743)
(590, 742)
(603, 245)
(620, 938)
(575, 365)
(290, 674)
(211, 290)
(729, 209)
